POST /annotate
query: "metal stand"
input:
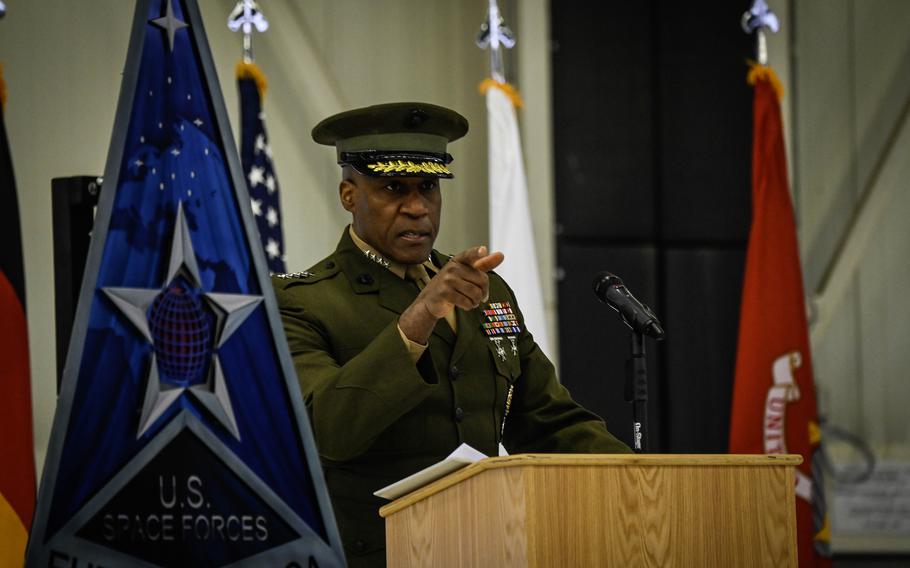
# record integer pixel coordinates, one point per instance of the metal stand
(637, 392)
(73, 201)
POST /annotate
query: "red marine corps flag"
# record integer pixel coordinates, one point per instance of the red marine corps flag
(774, 410)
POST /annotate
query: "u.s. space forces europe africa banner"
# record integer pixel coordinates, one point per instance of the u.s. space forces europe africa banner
(180, 436)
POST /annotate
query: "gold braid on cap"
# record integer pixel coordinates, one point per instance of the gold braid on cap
(401, 166)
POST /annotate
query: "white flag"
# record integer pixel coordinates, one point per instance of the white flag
(510, 215)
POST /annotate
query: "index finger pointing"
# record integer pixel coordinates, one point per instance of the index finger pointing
(489, 262)
(469, 256)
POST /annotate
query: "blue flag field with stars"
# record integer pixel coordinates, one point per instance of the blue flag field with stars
(256, 157)
(180, 437)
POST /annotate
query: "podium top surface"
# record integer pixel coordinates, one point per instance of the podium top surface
(590, 460)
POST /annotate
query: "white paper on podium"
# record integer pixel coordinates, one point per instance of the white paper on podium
(463, 455)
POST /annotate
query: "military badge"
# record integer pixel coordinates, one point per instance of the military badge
(500, 352)
(500, 320)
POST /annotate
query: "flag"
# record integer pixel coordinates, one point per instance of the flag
(511, 230)
(774, 409)
(180, 436)
(256, 157)
(17, 465)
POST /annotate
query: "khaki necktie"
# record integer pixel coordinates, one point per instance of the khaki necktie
(417, 273)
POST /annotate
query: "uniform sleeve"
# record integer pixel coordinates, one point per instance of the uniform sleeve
(544, 417)
(415, 350)
(350, 405)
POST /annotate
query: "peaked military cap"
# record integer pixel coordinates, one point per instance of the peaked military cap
(394, 139)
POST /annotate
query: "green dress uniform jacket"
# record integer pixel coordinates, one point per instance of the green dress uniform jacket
(378, 417)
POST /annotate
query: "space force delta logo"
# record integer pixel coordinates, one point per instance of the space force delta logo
(169, 502)
(180, 437)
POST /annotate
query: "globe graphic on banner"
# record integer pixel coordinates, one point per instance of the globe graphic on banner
(181, 334)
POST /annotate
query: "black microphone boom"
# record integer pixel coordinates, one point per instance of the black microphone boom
(639, 317)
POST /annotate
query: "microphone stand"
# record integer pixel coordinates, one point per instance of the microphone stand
(637, 392)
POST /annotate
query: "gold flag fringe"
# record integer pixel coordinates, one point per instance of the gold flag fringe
(252, 71)
(764, 73)
(506, 88)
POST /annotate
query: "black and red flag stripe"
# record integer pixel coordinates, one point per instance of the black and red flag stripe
(17, 469)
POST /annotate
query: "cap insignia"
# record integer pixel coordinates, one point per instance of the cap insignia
(401, 166)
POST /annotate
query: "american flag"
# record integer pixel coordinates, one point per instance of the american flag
(256, 157)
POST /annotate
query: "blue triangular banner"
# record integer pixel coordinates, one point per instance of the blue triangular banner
(180, 435)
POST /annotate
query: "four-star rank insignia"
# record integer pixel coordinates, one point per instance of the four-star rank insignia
(180, 437)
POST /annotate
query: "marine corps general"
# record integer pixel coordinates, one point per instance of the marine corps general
(403, 352)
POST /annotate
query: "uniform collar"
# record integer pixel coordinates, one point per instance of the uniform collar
(396, 268)
(368, 276)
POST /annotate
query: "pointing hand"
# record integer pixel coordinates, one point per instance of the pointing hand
(463, 282)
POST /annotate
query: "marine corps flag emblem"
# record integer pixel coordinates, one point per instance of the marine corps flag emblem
(180, 437)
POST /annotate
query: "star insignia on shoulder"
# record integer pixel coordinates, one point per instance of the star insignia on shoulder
(292, 275)
(376, 258)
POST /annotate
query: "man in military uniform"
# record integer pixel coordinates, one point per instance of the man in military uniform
(403, 352)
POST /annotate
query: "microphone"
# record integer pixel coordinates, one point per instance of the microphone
(610, 290)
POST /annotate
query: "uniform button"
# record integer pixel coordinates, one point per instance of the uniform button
(330, 264)
(454, 373)
(365, 279)
(459, 414)
(360, 546)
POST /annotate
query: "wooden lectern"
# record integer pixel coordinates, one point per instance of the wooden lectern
(551, 510)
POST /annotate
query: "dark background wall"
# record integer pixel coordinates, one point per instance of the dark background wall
(652, 146)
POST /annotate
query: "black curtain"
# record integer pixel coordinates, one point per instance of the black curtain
(652, 133)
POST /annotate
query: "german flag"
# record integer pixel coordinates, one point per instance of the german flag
(17, 463)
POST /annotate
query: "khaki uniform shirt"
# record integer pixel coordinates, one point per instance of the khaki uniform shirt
(378, 416)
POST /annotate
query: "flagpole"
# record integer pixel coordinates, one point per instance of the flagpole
(496, 66)
(495, 35)
(243, 18)
(757, 19)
